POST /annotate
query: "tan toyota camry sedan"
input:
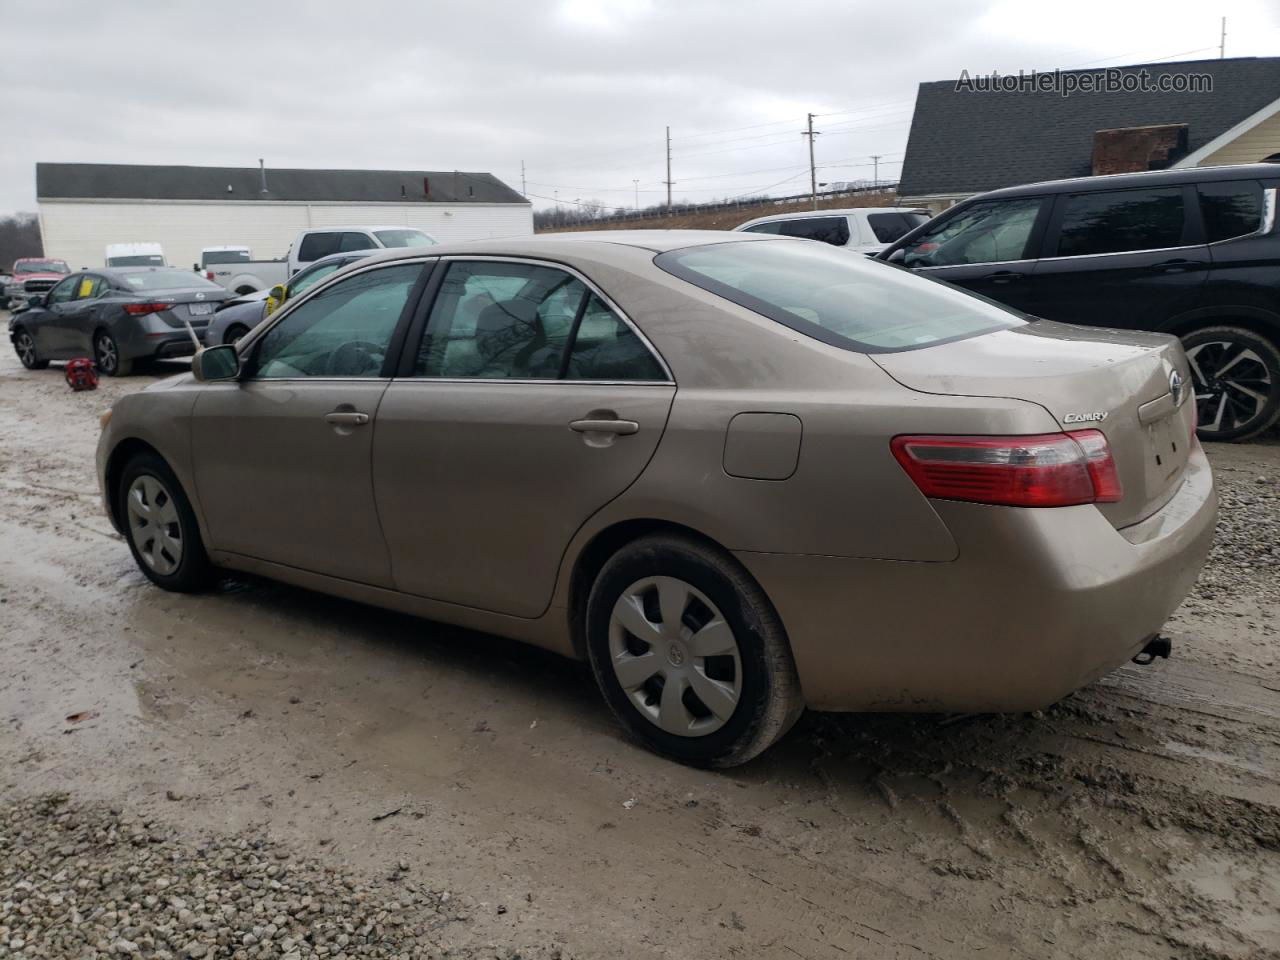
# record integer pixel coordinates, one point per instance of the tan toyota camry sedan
(739, 474)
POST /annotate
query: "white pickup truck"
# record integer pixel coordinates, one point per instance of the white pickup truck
(234, 268)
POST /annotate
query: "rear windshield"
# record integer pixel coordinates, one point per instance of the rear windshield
(139, 260)
(849, 302)
(166, 280)
(403, 238)
(226, 256)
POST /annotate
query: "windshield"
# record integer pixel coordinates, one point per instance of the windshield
(141, 260)
(167, 280)
(225, 256)
(41, 266)
(845, 301)
(403, 238)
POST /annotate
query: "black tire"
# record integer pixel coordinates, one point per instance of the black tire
(234, 333)
(106, 356)
(25, 345)
(1225, 412)
(192, 570)
(769, 699)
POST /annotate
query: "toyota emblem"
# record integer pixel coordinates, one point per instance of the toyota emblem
(1177, 387)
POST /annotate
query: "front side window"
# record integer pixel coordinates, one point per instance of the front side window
(771, 226)
(64, 291)
(849, 302)
(354, 241)
(497, 321)
(832, 230)
(992, 231)
(344, 331)
(1119, 221)
(1232, 208)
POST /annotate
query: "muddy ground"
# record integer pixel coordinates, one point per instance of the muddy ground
(1138, 818)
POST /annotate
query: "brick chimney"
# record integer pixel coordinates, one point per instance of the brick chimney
(1130, 149)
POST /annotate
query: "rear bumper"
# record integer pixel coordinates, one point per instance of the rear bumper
(1038, 604)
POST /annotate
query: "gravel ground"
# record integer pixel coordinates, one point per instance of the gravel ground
(92, 882)
(1246, 552)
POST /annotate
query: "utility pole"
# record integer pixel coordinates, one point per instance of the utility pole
(1222, 41)
(524, 190)
(668, 181)
(875, 165)
(813, 170)
(636, 181)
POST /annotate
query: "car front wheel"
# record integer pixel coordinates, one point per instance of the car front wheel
(161, 526)
(1236, 376)
(689, 653)
(234, 333)
(25, 345)
(106, 356)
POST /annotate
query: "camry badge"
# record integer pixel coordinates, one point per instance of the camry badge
(1177, 387)
(1096, 417)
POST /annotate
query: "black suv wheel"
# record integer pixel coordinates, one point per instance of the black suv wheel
(1236, 376)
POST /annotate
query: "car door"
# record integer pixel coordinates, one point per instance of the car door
(53, 329)
(79, 315)
(529, 403)
(987, 247)
(1122, 258)
(281, 456)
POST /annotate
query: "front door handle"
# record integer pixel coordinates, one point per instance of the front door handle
(1003, 276)
(1175, 266)
(346, 418)
(623, 428)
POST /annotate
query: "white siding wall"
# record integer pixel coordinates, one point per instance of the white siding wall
(78, 231)
(1257, 144)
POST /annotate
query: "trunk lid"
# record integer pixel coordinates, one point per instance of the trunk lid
(195, 306)
(1119, 382)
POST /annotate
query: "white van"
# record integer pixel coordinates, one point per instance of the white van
(135, 255)
(861, 229)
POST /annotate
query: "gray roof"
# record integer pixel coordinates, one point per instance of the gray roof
(124, 181)
(968, 142)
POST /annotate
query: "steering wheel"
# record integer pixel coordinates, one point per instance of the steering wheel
(355, 358)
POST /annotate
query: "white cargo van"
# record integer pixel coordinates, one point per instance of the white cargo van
(135, 255)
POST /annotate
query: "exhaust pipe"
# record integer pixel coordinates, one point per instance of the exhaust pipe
(1157, 646)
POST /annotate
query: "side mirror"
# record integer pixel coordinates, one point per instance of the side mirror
(278, 293)
(216, 363)
(39, 300)
(898, 256)
(195, 268)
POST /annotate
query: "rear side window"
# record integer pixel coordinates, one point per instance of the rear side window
(1232, 208)
(832, 230)
(892, 226)
(849, 302)
(498, 321)
(1121, 220)
(88, 287)
(993, 231)
(772, 226)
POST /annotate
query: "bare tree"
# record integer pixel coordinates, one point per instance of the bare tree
(19, 237)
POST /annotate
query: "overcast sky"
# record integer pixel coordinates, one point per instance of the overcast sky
(580, 90)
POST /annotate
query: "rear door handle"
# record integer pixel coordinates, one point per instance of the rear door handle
(346, 418)
(1176, 266)
(1003, 276)
(623, 428)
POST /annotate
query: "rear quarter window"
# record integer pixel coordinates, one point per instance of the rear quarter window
(1233, 208)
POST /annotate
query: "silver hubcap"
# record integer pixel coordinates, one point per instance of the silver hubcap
(106, 354)
(26, 349)
(154, 525)
(675, 656)
(1232, 384)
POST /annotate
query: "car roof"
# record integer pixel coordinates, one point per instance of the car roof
(835, 212)
(582, 245)
(361, 226)
(123, 271)
(1145, 178)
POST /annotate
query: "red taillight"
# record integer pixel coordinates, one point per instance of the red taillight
(138, 309)
(208, 275)
(1046, 470)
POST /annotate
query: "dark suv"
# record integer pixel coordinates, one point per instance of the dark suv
(1192, 252)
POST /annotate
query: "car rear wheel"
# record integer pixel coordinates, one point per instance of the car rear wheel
(234, 333)
(689, 653)
(25, 344)
(106, 356)
(1236, 376)
(161, 526)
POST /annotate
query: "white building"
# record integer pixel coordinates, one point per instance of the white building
(85, 206)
